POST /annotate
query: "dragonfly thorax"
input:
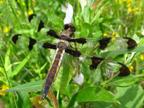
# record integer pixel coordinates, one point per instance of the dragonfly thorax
(62, 44)
(69, 30)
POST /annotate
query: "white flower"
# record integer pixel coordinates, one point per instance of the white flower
(79, 79)
(81, 58)
(68, 9)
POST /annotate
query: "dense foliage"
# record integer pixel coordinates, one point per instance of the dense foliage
(22, 72)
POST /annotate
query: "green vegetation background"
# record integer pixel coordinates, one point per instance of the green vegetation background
(22, 72)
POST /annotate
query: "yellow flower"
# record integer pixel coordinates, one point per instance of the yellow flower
(105, 34)
(142, 56)
(114, 35)
(3, 89)
(6, 29)
(131, 68)
(129, 1)
(30, 12)
(130, 10)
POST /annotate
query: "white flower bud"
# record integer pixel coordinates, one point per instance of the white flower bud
(69, 13)
(79, 79)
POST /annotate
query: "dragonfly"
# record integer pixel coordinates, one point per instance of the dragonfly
(63, 46)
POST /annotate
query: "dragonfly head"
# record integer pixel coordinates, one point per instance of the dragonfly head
(70, 28)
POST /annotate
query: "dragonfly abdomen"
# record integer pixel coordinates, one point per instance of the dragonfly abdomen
(54, 68)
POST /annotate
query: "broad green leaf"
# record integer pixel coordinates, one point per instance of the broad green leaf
(65, 77)
(130, 97)
(125, 81)
(115, 53)
(139, 49)
(93, 94)
(24, 100)
(28, 87)
(20, 66)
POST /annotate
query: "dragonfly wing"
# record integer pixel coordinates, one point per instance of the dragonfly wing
(74, 53)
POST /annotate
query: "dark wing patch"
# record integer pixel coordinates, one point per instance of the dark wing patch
(131, 43)
(30, 17)
(15, 38)
(74, 53)
(78, 40)
(124, 70)
(49, 45)
(95, 62)
(104, 42)
(32, 42)
(40, 26)
(53, 33)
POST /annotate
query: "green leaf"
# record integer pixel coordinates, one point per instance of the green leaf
(115, 53)
(7, 64)
(24, 100)
(2, 75)
(86, 14)
(92, 94)
(130, 97)
(98, 12)
(1, 71)
(126, 81)
(65, 77)
(28, 87)
(20, 66)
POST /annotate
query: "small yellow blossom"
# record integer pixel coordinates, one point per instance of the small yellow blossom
(30, 12)
(128, 1)
(114, 35)
(130, 10)
(131, 68)
(142, 56)
(3, 89)
(6, 29)
(105, 34)
(132, 7)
